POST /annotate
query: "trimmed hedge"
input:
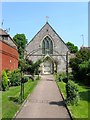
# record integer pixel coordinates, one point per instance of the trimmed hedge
(72, 93)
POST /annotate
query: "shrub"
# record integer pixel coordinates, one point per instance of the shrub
(0, 84)
(65, 79)
(57, 77)
(15, 78)
(70, 76)
(72, 93)
(8, 72)
(61, 76)
(13, 98)
(5, 81)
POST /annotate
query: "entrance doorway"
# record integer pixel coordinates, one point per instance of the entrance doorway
(48, 66)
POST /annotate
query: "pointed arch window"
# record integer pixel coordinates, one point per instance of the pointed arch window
(47, 46)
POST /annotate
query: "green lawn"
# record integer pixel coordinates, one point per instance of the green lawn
(0, 105)
(9, 108)
(82, 109)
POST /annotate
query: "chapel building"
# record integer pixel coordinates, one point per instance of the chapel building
(48, 46)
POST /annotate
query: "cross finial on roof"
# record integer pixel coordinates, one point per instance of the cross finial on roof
(47, 18)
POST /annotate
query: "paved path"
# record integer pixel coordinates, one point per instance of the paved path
(45, 101)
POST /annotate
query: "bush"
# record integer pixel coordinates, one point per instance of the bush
(65, 79)
(15, 78)
(56, 76)
(8, 72)
(13, 98)
(72, 93)
(60, 76)
(5, 81)
(70, 76)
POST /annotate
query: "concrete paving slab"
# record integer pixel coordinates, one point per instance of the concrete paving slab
(45, 101)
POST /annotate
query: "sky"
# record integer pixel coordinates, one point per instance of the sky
(68, 19)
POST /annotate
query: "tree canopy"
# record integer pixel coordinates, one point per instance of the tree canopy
(72, 47)
(21, 42)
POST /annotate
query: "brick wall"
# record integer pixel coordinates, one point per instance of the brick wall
(8, 57)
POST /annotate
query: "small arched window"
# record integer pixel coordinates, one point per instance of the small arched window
(47, 46)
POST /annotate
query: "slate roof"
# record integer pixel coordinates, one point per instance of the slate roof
(8, 41)
(88, 48)
(53, 31)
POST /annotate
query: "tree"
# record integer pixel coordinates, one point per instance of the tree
(32, 68)
(81, 66)
(72, 47)
(21, 42)
(29, 67)
(84, 72)
(83, 55)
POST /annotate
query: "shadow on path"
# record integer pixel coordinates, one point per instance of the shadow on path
(59, 103)
(49, 80)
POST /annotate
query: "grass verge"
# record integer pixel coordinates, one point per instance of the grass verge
(9, 108)
(81, 110)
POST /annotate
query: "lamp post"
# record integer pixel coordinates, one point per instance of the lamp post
(21, 86)
(67, 65)
(22, 77)
(22, 82)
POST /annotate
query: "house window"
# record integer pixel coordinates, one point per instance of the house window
(47, 46)
(5, 37)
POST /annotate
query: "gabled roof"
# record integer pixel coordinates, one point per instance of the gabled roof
(53, 31)
(37, 33)
(48, 56)
(3, 32)
(10, 41)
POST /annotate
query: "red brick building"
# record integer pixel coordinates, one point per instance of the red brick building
(8, 52)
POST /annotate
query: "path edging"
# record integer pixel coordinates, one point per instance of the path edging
(64, 100)
(21, 106)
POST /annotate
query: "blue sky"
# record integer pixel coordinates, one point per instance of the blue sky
(69, 19)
